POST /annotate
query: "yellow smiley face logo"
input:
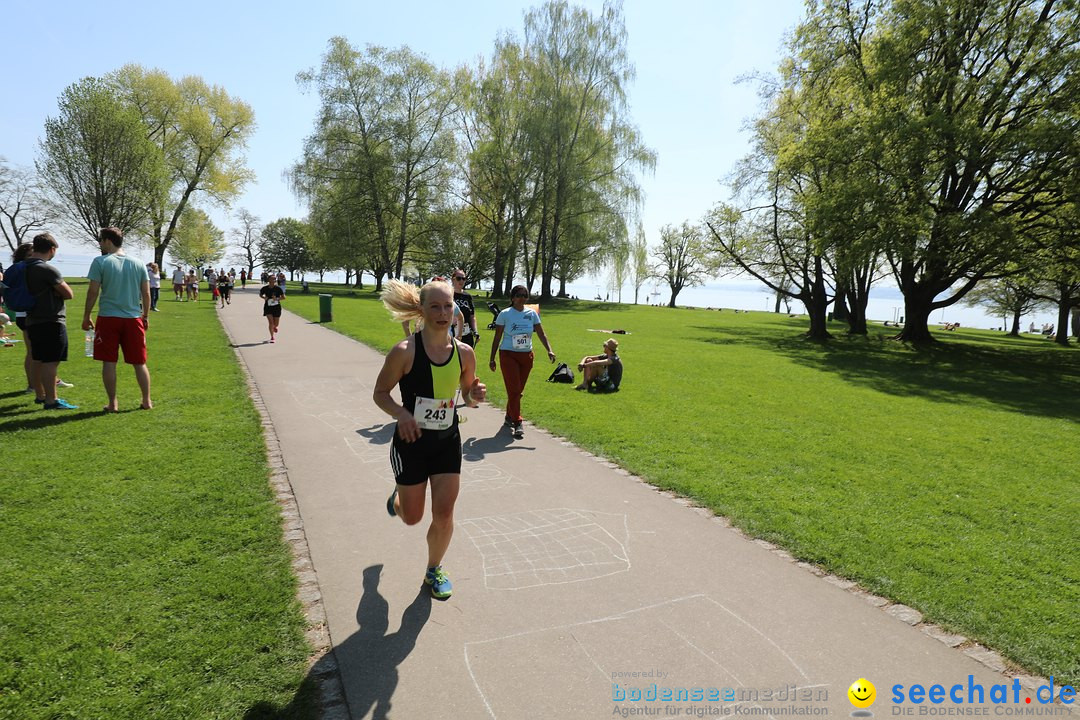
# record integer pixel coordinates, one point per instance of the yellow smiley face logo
(862, 693)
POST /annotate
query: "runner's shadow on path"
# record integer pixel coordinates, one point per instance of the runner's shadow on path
(371, 655)
(254, 344)
(379, 434)
(475, 449)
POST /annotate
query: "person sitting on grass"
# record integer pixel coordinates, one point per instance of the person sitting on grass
(604, 372)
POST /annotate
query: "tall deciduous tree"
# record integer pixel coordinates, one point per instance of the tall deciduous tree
(285, 245)
(497, 167)
(639, 261)
(383, 133)
(24, 208)
(966, 109)
(200, 133)
(580, 134)
(1012, 297)
(246, 238)
(682, 258)
(197, 242)
(97, 160)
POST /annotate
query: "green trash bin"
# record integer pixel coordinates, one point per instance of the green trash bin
(326, 313)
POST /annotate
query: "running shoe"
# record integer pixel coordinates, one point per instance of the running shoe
(508, 422)
(390, 504)
(440, 584)
(63, 383)
(519, 431)
(60, 404)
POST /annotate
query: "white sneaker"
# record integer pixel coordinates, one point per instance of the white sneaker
(63, 383)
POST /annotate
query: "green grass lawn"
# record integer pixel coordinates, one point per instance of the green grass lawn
(946, 479)
(144, 571)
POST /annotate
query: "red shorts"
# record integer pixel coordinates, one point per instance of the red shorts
(113, 333)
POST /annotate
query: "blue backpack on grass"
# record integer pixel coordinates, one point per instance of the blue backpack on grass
(17, 294)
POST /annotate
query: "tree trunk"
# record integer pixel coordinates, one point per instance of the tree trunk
(675, 290)
(779, 299)
(1061, 332)
(856, 318)
(840, 308)
(1076, 322)
(816, 301)
(916, 321)
(1015, 332)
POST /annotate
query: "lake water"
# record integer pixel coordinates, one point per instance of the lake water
(886, 303)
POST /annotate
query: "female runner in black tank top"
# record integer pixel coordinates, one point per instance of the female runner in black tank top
(430, 455)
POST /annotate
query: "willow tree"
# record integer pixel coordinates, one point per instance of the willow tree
(384, 132)
(200, 133)
(579, 129)
(497, 166)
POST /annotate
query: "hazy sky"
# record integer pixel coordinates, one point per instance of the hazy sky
(685, 100)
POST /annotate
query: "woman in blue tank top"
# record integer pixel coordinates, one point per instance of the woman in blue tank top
(429, 368)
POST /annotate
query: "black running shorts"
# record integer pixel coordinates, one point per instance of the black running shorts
(413, 463)
(48, 342)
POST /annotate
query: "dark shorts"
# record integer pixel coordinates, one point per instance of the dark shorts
(48, 342)
(20, 322)
(413, 463)
(272, 311)
(113, 333)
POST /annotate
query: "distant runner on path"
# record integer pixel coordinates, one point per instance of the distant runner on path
(272, 295)
(430, 368)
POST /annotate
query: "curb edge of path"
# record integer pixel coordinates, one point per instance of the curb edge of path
(333, 704)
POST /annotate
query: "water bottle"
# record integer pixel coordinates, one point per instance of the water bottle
(89, 344)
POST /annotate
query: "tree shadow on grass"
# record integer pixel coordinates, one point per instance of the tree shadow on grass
(371, 654)
(1025, 377)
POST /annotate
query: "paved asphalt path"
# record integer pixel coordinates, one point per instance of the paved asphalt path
(576, 586)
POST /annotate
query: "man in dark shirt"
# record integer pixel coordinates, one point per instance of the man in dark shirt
(46, 322)
(468, 311)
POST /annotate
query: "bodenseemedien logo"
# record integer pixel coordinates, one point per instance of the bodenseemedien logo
(862, 694)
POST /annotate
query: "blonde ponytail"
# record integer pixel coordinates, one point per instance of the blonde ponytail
(405, 302)
(402, 299)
